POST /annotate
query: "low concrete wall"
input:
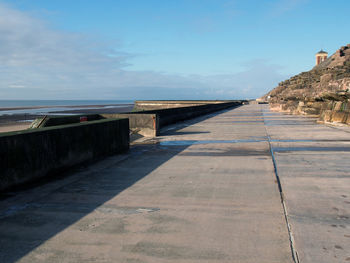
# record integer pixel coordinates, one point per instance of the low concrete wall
(32, 154)
(146, 124)
(170, 116)
(50, 121)
(150, 125)
(146, 105)
(150, 122)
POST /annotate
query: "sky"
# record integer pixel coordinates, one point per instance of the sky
(162, 49)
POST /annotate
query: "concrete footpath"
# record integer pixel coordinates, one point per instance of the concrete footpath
(205, 191)
(313, 163)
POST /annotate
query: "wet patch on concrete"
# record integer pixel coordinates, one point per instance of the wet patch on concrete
(279, 123)
(310, 149)
(253, 140)
(167, 133)
(309, 140)
(257, 121)
(165, 219)
(135, 260)
(107, 209)
(171, 252)
(56, 256)
(165, 224)
(159, 230)
(29, 217)
(196, 142)
(332, 220)
(100, 225)
(228, 152)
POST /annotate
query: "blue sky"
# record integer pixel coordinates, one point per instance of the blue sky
(162, 49)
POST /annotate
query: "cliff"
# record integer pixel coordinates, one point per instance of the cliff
(325, 87)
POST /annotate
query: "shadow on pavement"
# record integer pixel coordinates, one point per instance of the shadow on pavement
(24, 227)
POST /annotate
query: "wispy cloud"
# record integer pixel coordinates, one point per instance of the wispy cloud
(280, 7)
(38, 62)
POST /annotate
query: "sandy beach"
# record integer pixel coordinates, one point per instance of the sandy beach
(22, 121)
(14, 126)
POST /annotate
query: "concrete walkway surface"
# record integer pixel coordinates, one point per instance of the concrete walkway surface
(205, 191)
(313, 162)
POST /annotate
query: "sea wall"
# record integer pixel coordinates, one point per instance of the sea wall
(160, 118)
(36, 153)
(173, 115)
(146, 105)
(50, 121)
(147, 122)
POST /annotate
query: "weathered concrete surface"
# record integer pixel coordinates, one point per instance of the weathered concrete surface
(314, 167)
(204, 191)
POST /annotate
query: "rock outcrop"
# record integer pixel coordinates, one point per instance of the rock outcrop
(323, 91)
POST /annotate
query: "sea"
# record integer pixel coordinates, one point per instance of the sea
(10, 107)
(38, 103)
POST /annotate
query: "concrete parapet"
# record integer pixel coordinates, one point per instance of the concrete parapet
(50, 121)
(32, 154)
(146, 124)
(168, 104)
(172, 115)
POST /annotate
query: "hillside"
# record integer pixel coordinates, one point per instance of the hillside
(316, 90)
(329, 78)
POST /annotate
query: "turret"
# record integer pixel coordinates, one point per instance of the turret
(321, 56)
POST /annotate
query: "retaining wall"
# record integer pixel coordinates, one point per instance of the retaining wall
(32, 154)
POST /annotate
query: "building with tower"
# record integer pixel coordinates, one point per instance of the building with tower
(321, 56)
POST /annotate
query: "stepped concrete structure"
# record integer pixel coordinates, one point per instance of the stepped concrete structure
(240, 185)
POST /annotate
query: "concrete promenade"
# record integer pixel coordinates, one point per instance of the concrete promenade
(207, 190)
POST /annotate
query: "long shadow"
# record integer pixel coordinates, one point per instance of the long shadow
(24, 228)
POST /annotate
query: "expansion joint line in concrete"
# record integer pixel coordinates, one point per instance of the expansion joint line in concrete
(285, 212)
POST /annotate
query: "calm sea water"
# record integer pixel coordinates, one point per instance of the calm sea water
(32, 103)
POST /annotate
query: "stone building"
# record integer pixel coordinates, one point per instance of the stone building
(321, 56)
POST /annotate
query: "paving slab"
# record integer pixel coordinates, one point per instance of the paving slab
(204, 191)
(314, 168)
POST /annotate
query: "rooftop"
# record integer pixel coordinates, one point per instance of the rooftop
(322, 52)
